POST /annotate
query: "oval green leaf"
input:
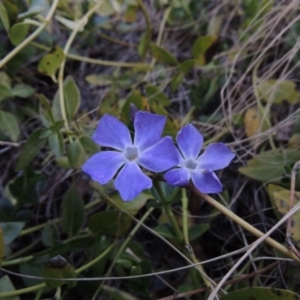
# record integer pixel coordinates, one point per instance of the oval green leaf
(9, 125)
(72, 212)
(7, 286)
(11, 230)
(72, 97)
(163, 55)
(31, 148)
(18, 33)
(50, 63)
(36, 7)
(109, 222)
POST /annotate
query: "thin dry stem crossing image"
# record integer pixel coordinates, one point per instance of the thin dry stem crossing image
(149, 149)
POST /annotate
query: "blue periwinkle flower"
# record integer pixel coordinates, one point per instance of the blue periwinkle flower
(148, 150)
(198, 168)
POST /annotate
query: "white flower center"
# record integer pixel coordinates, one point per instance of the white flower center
(131, 153)
(190, 164)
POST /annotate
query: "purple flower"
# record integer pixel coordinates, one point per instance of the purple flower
(200, 169)
(148, 150)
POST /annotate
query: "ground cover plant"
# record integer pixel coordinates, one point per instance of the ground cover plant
(149, 149)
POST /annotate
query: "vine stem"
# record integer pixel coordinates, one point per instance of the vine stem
(184, 201)
(11, 54)
(184, 237)
(117, 64)
(228, 213)
(80, 23)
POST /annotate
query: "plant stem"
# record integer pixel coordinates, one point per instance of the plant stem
(10, 55)
(174, 223)
(80, 23)
(184, 201)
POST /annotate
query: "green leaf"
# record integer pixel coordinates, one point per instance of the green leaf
(166, 231)
(197, 230)
(89, 146)
(59, 268)
(138, 100)
(280, 199)
(50, 63)
(163, 55)
(63, 162)
(72, 211)
(7, 286)
(18, 33)
(72, 97)
(5, 93)
(22, 90)
(164, 192)
(31, 148)
(187, 65)
(9, 125)
(261, 293)
(276, 91)
(153, 93)
(56, 143)
(110, 222)
(172, 125)
(202, 47)
(4, 17)
(143, 45)
(176, 80)
(36, 7)
(5, 80)
(50, 235)
(76, 154)
(26, 188)
(270, 165)
(99, 80)
(133, 206)
(11, 230)
(45, 111)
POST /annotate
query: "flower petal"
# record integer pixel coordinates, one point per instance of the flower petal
(131, 181)
(148, 129)
(215, 157)
(189, 141)
(110, 132)
(103, 166)
(206, 182)
(178, 177)
(160, 157)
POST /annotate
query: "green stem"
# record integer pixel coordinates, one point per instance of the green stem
(117, 64)
(184, 201)
(95, 260)
(10, 55)
(159, 38)
(80, 23)
(147, 18)
(173, 221)
(169, 212)
(122, 248)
